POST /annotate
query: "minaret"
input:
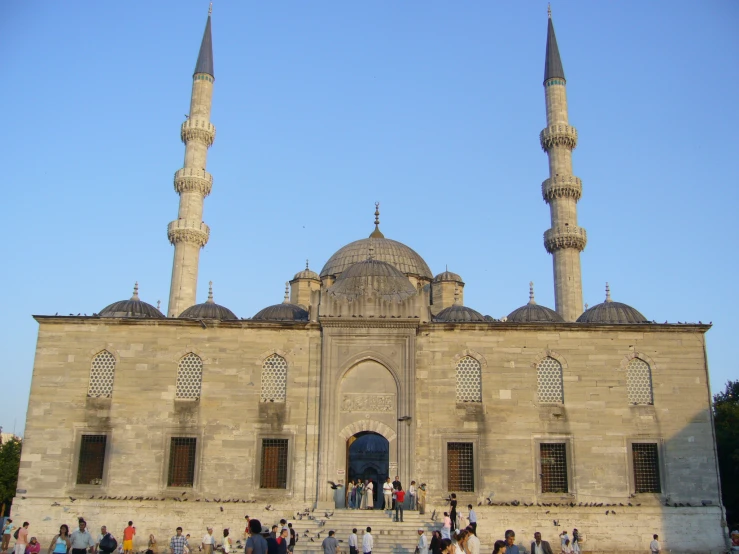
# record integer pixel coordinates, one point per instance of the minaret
(565, 240)
(193, 183)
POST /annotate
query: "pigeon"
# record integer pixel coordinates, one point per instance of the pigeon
(556, 522)
(72, 499)
(269, 508)
(56, 504)
(433, 516)
(221, 508)
(184, 493)
(329, 514)
(311, 539)
(334, 486)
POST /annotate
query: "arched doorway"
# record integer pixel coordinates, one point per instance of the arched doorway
(368, 457)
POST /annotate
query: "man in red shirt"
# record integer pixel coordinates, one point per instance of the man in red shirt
(399, 497)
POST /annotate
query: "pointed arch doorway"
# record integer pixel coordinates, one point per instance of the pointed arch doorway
(368, 457)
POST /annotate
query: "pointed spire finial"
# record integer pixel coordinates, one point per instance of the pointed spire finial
(549, 9)
(377, 234)
(531, 293)
(287, 293)
(552, 62)
(205, 56)
(306, 264)
(135, 291)
(586, 307)
(210, 292)
(210, 9)
(608, 293)
(159, 303)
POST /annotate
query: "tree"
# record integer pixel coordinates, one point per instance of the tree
(726, 417)
(10, 460)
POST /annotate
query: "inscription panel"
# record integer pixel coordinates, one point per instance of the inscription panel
(370, 402)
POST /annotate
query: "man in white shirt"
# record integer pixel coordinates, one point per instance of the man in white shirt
(367, 542)
(473, 543)
(423, 543)
(654, 546)
(387, 491)
(353, 541)
(473, 519)
(208, 541)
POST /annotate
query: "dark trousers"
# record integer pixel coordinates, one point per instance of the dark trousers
(79, 551)
(398, 509)
(453, 516)
(352, 550)
(473, 524)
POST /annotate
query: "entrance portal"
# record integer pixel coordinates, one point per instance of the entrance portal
(368, 457)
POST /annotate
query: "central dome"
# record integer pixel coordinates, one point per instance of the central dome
(373, 278)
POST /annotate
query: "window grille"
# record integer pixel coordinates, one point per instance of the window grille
(189, 377)
(274, 379)
(460, 467)
(469, 380)
(102, 372)
(646, 467)
(182, 462)
(553, 458)
(274, 464)
(549, 377)
(92, 460)
(639, 382)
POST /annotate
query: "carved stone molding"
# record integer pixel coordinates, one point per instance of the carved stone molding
(189, 179)
(368, 425)
(571, 236)
(183, 230)
(561, 186)
(367, 402)
(198, 129)
(558, 135)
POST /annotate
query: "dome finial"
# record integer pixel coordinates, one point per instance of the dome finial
(210, 9)
(377, 234)
(531, 293)
(608, 293)
(306, 264)
(135, 291)
(549, 9)
(210, 292)
(287, 293)
(159, 303)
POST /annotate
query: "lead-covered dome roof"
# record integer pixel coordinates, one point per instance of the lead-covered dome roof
(447, 276)
(372, 278)
(283, 312)
(134, 307)
(307, 273)
(533, 312)
(209, 309)
(458, 314)
(611, 312)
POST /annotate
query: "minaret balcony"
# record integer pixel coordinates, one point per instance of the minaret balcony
(567, 236)
(558, 135)
(561, 186)
(198, 129)
(187, 230)
(189, 179)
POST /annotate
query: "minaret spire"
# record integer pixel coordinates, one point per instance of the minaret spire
(188, 233)
(562, 191)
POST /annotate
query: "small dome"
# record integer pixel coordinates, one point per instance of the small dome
(611, 312)
(458, 314)
(131, 308)
(283, 312)
(307, 273)
(373, 278)
(533, 313)
(208, 309)
(447, 276)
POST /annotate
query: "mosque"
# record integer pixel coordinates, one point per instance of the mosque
(563, 411)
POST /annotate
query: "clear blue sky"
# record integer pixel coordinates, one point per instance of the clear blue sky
(431, 107)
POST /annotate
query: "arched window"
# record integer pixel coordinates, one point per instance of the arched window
(469, 380)
(102, 373)
(549, 378)
(639, 382)
(189, 377)
(274, 379)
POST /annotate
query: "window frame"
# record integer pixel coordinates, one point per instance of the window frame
(257, 479)
(569, 463)
(76, 455)
(561, 402)
(176, 434)
(177, 378)
(262, 399)
(651, 382)
(112, 385)
(660, 465)
(456, 383)
(474, 439)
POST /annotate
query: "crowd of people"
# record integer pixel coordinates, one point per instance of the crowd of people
(360, 495)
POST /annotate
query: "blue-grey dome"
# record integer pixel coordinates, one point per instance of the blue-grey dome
(373, 278)
(208, 310)
(533, 313)
(611, 312)
(134, 307)
(458, 314)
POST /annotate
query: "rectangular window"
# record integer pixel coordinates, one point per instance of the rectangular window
(92, 460)
(182, 462)
(274, 464)
(553, 457)
(460, 467)
(646, 467)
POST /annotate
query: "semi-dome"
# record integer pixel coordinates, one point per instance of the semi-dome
(373, 278)
(611, 312)
(458, 314)
(208, 309)
(307, 273)
(393, 252)
(283, 312)
(134, 307)
(533, 313)
(447, 276)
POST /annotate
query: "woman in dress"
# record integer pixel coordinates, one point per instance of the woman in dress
(566, 548)
(435, 546)
(359, 492)
(369, 494)
(575, 541)
(153, 546)
(453, 511)
(422, 498)
(226, 542)
(499, 547)
(60, 544)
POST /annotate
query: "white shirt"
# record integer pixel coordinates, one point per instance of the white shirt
(387, 488)
(538, 548)
(208, 539)
(473, 516)
(423, 544)
(654, 546)
(367, 543)
(412, 490)
(353, 540)
(473, 544)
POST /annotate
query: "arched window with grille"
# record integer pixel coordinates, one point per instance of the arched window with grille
(639, 382)
(274, 379)
(549, 381)
(189, 377)
(469, 380)
(102, 375)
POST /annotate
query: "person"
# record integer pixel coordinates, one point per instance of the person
(412, 496)
(735, 541)
(256, 543)
(34, 547)
(396, 487)
(563, 537)
(7, 533)
(446, 546)
(422, 498)
(246, 529)
(330, 544)
(472, 525)
(272, 541)
(226, 542)
(510, 540)
(566, 547)
(22, 541)
(576, 541)
(423, 543)
(453, 511)
(273, 533)
(387, 491)
(369, 493)
(500, 547)
(60, 544)
(398, 499)
(348, 493)
(81, 540)
(435, 542)
(293, 538)
(539, 546)
(473, 543)
(367, 541)
(460, 547)
(128, 534)
(283, 540)
(178, 543)
(208, 541)
(187, 543)
(446, 529)
(654, 546)
(105, 547)
(353, 541)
